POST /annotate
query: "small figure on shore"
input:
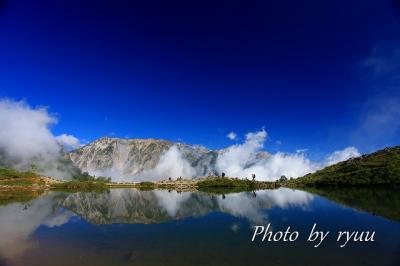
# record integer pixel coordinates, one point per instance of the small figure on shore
(253, 176)
(223, 174)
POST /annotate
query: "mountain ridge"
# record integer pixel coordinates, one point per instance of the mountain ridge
(130, 157)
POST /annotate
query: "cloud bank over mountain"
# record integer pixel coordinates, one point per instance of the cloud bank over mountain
(144, 160)
(242, 160)
(171, 164)
(26, 139)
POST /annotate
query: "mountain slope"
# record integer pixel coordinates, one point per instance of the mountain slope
(378, 168)
(127, 158)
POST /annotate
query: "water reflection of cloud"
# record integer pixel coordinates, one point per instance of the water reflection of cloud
(57, 219)
(242, 205)
(252, 206)
(171, 201)
(285, 197)
(19, 220)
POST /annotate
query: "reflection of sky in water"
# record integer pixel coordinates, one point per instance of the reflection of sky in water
(169, 221)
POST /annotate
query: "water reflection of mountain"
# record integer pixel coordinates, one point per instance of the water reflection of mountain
(133, 206)
(383, 202)
(18, 220)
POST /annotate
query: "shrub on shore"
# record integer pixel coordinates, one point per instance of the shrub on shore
(81, 185)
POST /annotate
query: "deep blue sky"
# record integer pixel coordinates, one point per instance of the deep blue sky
(309, 71)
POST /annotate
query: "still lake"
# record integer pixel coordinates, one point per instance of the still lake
(161, 227)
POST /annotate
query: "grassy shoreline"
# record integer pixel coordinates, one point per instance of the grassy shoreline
(29, 181)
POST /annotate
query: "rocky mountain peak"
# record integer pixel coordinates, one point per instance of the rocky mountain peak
(127, 158)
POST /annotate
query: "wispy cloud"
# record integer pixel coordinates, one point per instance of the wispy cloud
(383, 62)
(232, 136)
(69, 142)
(380, 124)
(379, 120)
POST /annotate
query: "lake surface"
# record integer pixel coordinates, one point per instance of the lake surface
(160, 227)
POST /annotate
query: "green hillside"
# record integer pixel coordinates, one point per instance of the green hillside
(378, 168)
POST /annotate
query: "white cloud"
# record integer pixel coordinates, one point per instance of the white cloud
(242, 160)
(232, 136)
(235, 158)
(338, 156)
(26, 139)
(171, 164)
(25, 134)
(69, 142)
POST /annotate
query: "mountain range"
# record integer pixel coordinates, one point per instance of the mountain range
(148, 159)
(127, 158)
